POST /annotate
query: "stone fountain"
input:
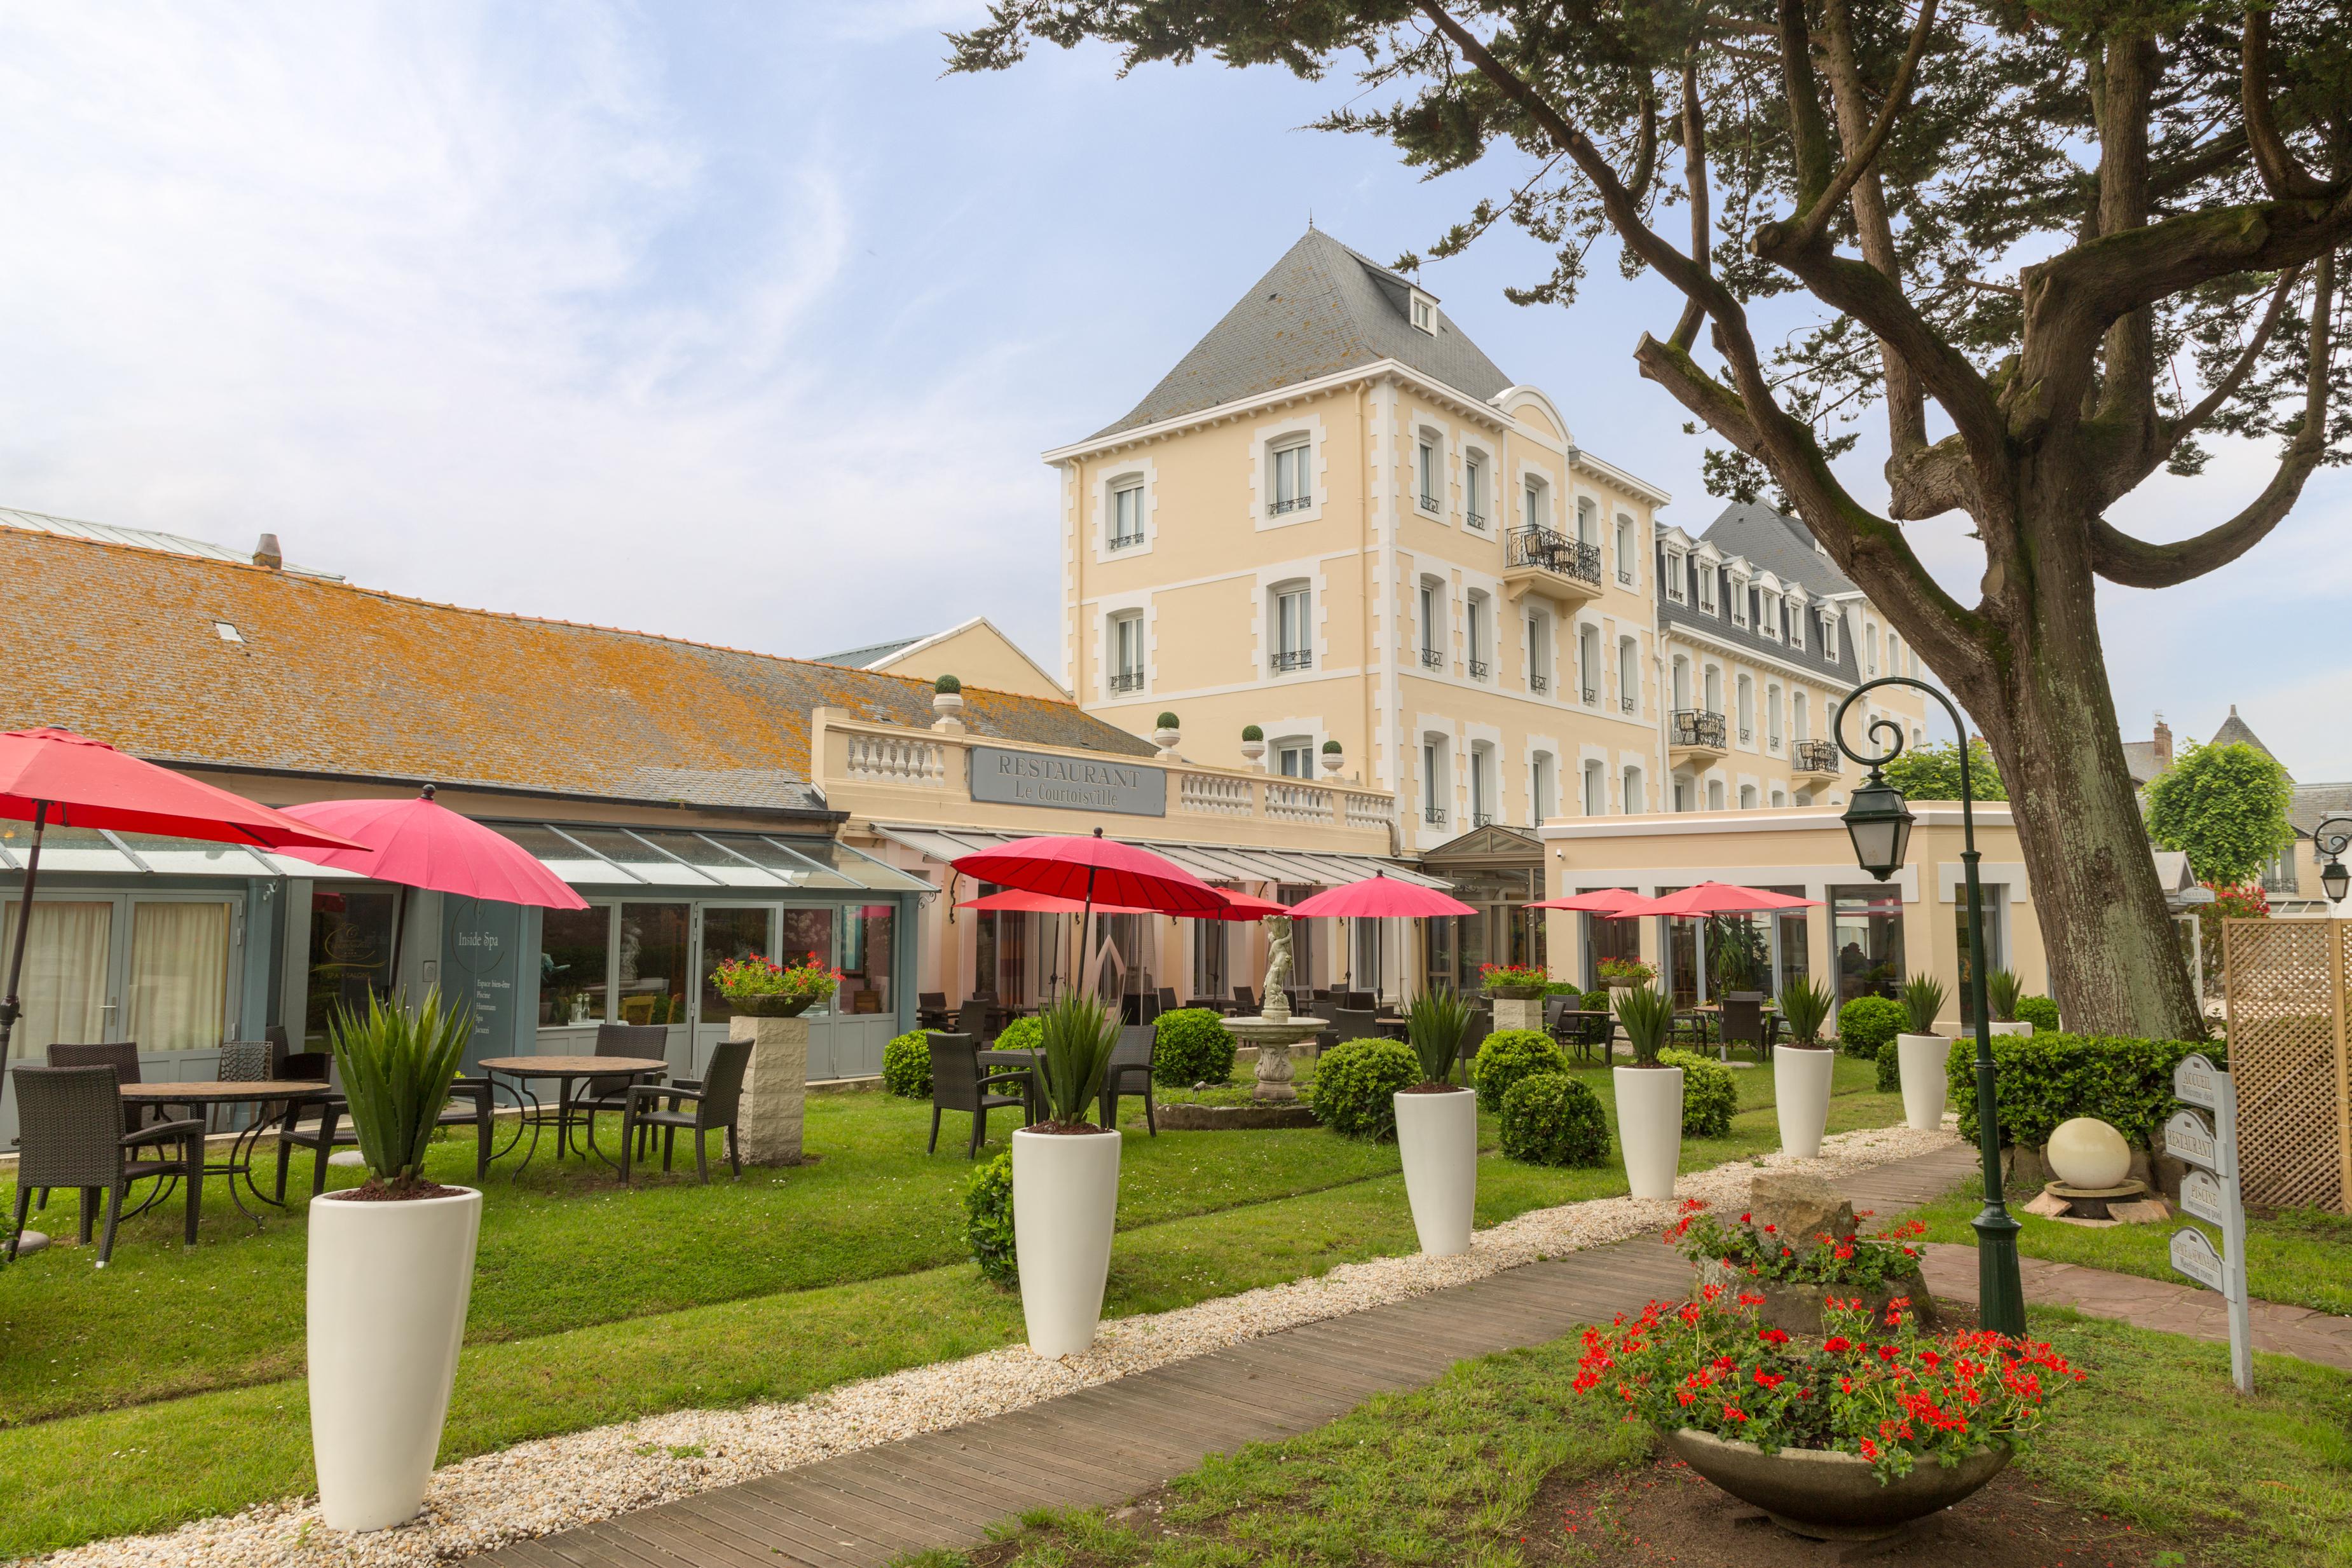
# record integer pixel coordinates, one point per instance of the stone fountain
(1274, 1030)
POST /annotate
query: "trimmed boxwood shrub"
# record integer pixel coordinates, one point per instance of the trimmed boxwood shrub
(1710, 1094)
(1596, 1002)
(1020, 1034)
(1354, 1091)
(1866, 1023)
(988, 1222)
(1555, 1119)
(2039, 1012)
(1507, 1056)
(1192, 1046)
(907, 1065)
(1890, 1068)
(2042, 1080)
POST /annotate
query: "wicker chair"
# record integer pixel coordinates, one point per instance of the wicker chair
(1742, 1023)
(1168, 1002)
(958, 1084)
(612, 1092)
(930, 1010)
(70, 1122)
(717, 1100)
(319, 1125)
(1245, 1000)
(122, 1055)
(972, 1019)
(1353, 1023)
(1130, 1060)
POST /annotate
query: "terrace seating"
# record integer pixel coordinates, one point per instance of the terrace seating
(1354, 1023)
(1245, 1000)
(244, 1061)
(1168, 1002)
(1591, 1034)
(71, 1122)
(718, 1099)
(122, 1055)
(973, 1020)
(958, 1084)
(1743, 1022)
(932, 1009)
(321, 1127)
(1130, 1060)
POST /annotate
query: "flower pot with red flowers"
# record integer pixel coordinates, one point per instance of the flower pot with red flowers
(1618, 974)
(767, 1000)
(1513, 982)
(1797, 1276)
(1849, 1437)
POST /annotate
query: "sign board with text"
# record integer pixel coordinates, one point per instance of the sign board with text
(2187, 1137)
(2212, 1194)
(2193, 1255)
(2196, 1082)
(2202, 1197)
(1000, 776)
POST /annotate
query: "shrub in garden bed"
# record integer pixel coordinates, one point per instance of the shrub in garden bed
(1554, 1118)
(1890, 1068)
(2039, 1012)
(1509, 1055)
(1354, 1091)
(1710, 1094)
(907, 1065)
(1020, 1034)
(988, 1222)
(2047, 1077)
(1866, 1023)
(1596, 1001)
(1192, 1046)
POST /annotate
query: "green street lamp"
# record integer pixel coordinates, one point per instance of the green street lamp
(2334, 881)
(1879, 821)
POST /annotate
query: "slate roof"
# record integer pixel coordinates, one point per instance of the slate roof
(2139, 759)
(2313, 804)
(1770, 543)
(1322, 309)
(867, 656)
(2234, 731)
(120, 642)
(1779, 544)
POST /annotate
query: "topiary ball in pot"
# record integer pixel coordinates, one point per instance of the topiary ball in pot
(1710, 1094)
(1555, 1119)
(1509, 1055)
(988, 1222)
(1866, 1023)
(1193, 1045)
(907, 1065)
(1355, 1087)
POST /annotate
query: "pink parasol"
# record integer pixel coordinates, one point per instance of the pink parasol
(1018, 901)
(419, 842)
(1096, 871)
(1603, 901)
(1716, 898)
(1379, 897)
(1246, 906)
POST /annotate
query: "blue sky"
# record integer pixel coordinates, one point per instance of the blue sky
(739, 322)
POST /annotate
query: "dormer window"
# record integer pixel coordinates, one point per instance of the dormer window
(1739, 602)
(1768, 615)
(1796, 625)
(1828, 635)
(1425, 313)
(1706, 587)
(1674, 576)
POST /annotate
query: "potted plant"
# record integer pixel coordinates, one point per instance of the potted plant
(1921, 1053)
(1649, 1094)
(1252, 743)
(1852, 1438)
(946, 702)
(391, 1271)
(754, 987)
(1618, 974)
(1065, 1180)
(1335, 756)
(1166, 732)
(1802, 1067)
(1437, 1125)
(1800, 1277)
(2003, 991)
(1513, 982)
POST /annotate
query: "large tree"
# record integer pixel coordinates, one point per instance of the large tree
(2053, 245)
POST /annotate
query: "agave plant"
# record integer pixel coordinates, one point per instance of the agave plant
(1646, 1012)
(1433, 1026)
(2002, 991)
(1076, 1037)
(1923, 998)
(396, 1064)
(1805, 1006)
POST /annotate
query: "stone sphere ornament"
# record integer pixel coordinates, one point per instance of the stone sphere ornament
(2087, 1153)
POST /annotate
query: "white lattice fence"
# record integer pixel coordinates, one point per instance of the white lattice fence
(2288, 981)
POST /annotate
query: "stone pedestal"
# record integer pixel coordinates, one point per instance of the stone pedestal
(1510, 1014)
(775, 1088)
(1274, 1037)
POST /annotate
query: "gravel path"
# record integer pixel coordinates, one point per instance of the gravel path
(535, 1488)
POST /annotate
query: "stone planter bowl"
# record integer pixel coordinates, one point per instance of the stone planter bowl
(1515, 993)
(1832, 1497)
(770, 1007)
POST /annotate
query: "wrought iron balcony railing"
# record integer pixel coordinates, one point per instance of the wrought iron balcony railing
(1293, 659)
(1696, 726)
(1432, 658)
(1592, 694)
(1814, 756)
(1555, 553)
(1478, 669)
(1294, 504)
(1126, 541)
(1475, 520)
(1481, 818)
(1429, 503)
(1629, 704)
(1127, 681)
(1538, 683)
(1435, 815)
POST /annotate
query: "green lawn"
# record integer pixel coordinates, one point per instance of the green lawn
(593, 1305)
(2302, 1258)
(2158, 1440)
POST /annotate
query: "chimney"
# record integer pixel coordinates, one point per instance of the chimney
(2161, 743)
(267, 555)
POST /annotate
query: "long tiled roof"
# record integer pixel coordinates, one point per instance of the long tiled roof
(1768, 541)
(124, 644)
(1322, 309)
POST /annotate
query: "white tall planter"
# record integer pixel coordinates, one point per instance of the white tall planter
(2015, 1026)
(1922, 1059)
(1800, 1092)
(389, 1283)
(1438, 1136)
(1650, 1126)
(1065, 1205)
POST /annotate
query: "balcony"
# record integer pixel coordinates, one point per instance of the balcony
(1435, 815)
(1560, 569)
(1592, 696)
(1289, 504)
(1813, 761)
(1432, 659)
(1291, 659)
(1694, 736)
(1538, 683)
(1478, 669)
(1481, 818)
(1126, 541)
(1475, 520)
(1429, 505)
(1630, 704)
(1126, 681)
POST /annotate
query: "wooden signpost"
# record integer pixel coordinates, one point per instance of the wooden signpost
(2212, 1194)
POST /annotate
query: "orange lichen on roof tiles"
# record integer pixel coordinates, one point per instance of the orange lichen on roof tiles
(120, 642)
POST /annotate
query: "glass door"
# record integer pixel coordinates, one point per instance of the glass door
(725, 931)
(69, 990)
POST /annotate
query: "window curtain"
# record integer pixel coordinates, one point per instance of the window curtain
(179, 975)
(64, 987)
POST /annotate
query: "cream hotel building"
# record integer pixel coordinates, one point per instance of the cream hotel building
(1338, 522)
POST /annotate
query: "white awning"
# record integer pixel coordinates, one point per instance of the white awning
(1210, 862)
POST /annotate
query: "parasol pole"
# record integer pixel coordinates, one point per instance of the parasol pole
(11, 1008)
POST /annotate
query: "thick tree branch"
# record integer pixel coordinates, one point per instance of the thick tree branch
(2283, 173)
(1862, 152)
(1809, 133)
(2126, 411)
(1695, 186)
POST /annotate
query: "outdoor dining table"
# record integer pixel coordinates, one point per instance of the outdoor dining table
(293, 1092)
(565, 1071)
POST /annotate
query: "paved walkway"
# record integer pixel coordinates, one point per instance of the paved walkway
(1105, 1444)
(2179, 1309)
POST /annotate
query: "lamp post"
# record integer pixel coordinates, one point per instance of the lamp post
(2335, 880)
(1879, 821)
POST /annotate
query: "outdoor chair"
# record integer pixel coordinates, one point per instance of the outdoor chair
(70, 1122)
(122, 1055)
(1482, 1024)
(1591, 1034)
(244, 1061)
(1361, 1001)
(1129, 1073)
(717, 1100)
(972, 1019)
(1554, 1008)
(1742, 1023)
(958, 1084)
(930, 1010)
(611, 1093)
(1168, 1002)
(320, 1125)
(1354, 1023)
(1245, 1000)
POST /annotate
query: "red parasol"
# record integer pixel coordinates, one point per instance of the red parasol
(1605, 901)
(1096, 871)
(1716, 898)
(1379, 897)
(419, 842)
(1246, 906)
(1018, 901)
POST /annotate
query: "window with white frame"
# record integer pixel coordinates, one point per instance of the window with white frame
(1780, 796)
(1482, 783)
(1478, 620)
(1293, 756)
(1424, 314)
(1126, 639)
(1767, 614)
(1746, 692)
(1799, 725)
(1425, 466)
(1294, 479)
(1706, 587)
(1772, 717)
(1588, 522)
(1588, 664)
(1596, 789)
(1540, 786)
(1679, 680)
(1127, 512)
(1436, 790)
(1634, 799)
(1539, 651)
(1829, 633)
(1629, 674)
(1739, 602)
(1473, 490)
(1685, 799)
(1432, 623)
(1714, 688)
(1748, 797)
(1714, 794)
(1628, 553)
(1869, 648)
(1536, 502)
(1294, 632)
(1796, 624)
(1674, 578)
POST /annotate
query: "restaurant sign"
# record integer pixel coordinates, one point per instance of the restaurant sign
(1069, 783)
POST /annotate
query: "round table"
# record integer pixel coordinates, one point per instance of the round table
(565, 1071)
(294, 1093)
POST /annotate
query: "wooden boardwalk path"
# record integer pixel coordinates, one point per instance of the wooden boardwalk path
(1105, 1444)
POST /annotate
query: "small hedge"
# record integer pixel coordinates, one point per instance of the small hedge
(1866, 1023)
(2042, 1080)
(988, 1222)
(907, 1065)
(1595, 1002)
(1507, 1056)
(1192, 1046)
(2039, 1012)
(1890, 1068)
(1020, 1034)
(1710, 1094)
(1354, 1093)
(1554, 1118)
